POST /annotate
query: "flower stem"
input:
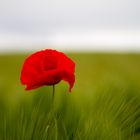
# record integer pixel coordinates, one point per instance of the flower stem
(53, 93)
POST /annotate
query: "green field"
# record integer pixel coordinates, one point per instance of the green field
(103, 105)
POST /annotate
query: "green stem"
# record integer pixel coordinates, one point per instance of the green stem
(53, 93)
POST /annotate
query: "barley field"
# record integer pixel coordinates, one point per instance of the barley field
(103, 105)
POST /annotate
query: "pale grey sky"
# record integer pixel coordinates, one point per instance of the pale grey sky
(35, 21)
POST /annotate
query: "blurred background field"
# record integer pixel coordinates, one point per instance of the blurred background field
(104, 103)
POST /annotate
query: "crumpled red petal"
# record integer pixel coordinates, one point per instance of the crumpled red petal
(47, 67)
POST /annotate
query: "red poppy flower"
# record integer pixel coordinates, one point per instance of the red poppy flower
(47, 67)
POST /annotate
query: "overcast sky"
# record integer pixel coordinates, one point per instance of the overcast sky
(57, 21)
